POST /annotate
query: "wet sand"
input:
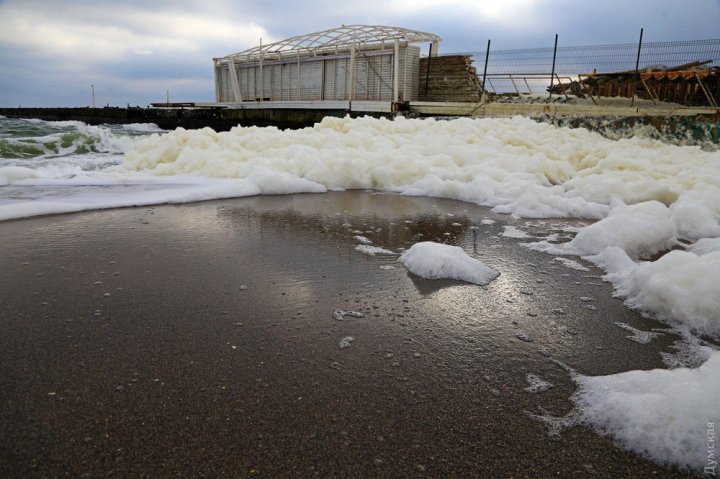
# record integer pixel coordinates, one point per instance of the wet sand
(198, 340)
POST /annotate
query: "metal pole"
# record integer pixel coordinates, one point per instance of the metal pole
(167, 97)
(93, 94)
(637, 66)
(427, 73)
(487, 56)
(552, 74)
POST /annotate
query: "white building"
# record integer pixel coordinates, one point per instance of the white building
(350, 63)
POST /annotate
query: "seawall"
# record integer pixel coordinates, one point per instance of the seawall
(219, 119)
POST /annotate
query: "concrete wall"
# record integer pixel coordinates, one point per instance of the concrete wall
(218, 119)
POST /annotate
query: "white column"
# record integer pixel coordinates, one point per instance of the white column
(352, 73)
(297, 97)
(237, 96)
(396, 71)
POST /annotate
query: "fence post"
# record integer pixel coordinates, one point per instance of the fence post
(427, 73)
(552, 73)
(487, 55)
(637, 66)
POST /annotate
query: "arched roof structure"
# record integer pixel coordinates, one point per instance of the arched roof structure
(328, 41)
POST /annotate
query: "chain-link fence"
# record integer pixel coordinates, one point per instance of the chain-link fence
(682, 72)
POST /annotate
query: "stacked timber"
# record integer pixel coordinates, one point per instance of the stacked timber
(452, 78)
(692, 84)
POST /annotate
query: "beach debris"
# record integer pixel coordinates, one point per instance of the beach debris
(345, 342)
(524, 337)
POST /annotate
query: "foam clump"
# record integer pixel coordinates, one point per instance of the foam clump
(340, 314)
(440, 261)
(536, 384)
(640, 230)
(372, 250)
(12, 174)
(681, 287)
(705, 245)
(660, 414)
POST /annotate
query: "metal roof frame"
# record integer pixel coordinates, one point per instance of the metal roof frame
(332, 40)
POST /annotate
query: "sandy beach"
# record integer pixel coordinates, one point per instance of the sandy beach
(199, 340)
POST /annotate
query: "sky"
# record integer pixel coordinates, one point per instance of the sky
(133, 52)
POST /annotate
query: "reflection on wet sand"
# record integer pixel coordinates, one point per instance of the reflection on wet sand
(216, 351)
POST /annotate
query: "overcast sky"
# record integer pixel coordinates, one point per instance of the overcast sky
(51, 51)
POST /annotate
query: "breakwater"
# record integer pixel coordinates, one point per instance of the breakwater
(219, 119)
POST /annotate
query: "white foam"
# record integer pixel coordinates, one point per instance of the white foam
(437, 261)
(536, 384)
(372, 250)
(571, 264)
(339, 314)
(681, 287)
(362, 239)
(345, 342)
(660, 414)
(14, 174)
(638, 335)
(705, 245)
(514, 232)
(640, 230)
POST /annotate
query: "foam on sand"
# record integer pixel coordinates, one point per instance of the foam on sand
(642, 229)
(660, 414)
(440, 261)
(681, 287)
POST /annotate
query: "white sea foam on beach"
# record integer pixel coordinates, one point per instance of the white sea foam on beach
(661, 414)
(536, 384)
(372, 250)
(514, 232)
(649, 197)
(438, 261)
(572, 264)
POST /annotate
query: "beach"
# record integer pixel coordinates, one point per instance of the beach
(199, 340)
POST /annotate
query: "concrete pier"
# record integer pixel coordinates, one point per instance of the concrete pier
(219, 119)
